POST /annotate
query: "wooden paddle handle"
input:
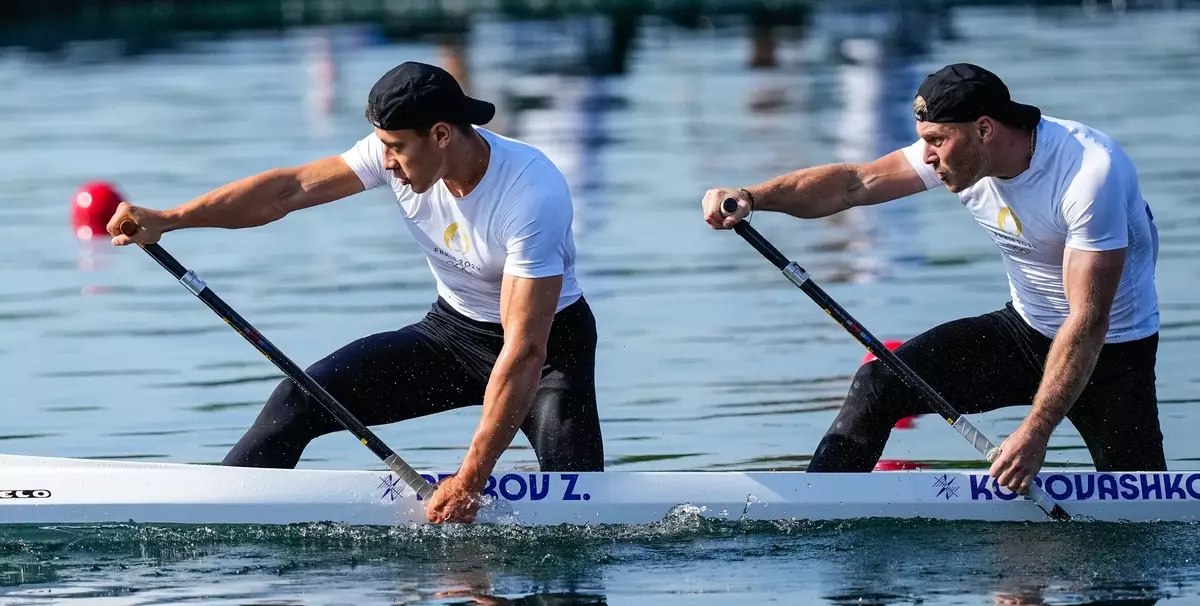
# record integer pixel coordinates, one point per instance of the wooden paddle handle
(128, 227)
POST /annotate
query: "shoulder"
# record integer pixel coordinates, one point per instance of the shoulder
(518, 154)
(1086, 163)
(1098, 186)
(365, 158)
(1086, 153)
(529, 177)
(915, 154)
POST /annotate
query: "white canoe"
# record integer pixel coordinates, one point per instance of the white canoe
(59, 491)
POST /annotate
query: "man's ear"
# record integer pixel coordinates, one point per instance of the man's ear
(985, 127)
(442, 133)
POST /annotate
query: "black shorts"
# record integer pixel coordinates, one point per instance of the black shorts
(994, 360)
(440, 363)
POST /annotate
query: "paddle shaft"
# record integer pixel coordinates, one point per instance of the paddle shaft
(796, 274)
(197, 287)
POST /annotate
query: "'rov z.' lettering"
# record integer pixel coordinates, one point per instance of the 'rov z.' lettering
(1099, 487)
(508, 487)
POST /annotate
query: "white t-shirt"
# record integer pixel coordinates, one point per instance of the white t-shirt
(1080, 191)
(517, 220)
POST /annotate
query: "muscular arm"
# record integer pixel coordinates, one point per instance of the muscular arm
(527, 307)
(266, 197)
(1090, 279)
(821, 191)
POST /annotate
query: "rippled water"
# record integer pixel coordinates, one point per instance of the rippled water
(680, 560)
(708, 358)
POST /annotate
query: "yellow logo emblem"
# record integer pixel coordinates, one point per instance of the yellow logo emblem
(1004, 215)
(456, 240)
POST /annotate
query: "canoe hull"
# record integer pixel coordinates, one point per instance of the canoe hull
(58, 491)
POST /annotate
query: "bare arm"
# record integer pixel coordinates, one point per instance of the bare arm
(821, 191)
(1090, 279)
(527, 307)
(249, 202)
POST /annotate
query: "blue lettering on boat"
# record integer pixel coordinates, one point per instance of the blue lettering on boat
(534, 494)
(979, 489)
(1151, 486)
(1063, 485)
(1085, 491)
(1173, 488)
(1098, 486)
(1108, 487)
(1129, 489)
(507, 487)
(570, 495)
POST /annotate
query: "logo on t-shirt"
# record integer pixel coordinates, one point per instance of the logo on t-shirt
(456, 240)
(1004, 216)
(1007, 232)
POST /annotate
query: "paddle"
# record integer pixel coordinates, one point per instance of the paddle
(197, 287)
(800, 278)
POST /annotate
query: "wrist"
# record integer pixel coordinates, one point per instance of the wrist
(167, 220)
(750, 198)
(1042, 422)
(473, 473)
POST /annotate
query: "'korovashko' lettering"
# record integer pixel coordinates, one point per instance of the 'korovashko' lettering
(1098, 487)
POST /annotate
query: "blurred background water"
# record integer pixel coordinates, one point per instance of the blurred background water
(709, 359)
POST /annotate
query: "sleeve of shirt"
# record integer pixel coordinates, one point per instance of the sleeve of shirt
(1094, 207)
(538, 225)
(366, 160)
(913, 153)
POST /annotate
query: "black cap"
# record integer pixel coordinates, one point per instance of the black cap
(416, 95)
(963, 92)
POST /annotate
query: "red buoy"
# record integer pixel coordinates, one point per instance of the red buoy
(91, 208)
(906, 422)
(890, 344)
(897, 465)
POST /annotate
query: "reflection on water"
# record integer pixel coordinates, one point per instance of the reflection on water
(708, 358)
(705, 560)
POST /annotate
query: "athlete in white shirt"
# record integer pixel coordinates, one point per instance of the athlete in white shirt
(510, 329)
(1079, 338)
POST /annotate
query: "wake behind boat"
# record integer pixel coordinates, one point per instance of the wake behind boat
(64, 491)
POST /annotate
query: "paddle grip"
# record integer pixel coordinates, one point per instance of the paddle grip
(728, 207)
(128, 227)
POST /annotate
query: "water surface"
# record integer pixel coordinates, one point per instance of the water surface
(709, 359)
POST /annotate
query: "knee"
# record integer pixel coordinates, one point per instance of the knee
(874, 392)
(287, 396)
(290, 410)
(873, 383)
